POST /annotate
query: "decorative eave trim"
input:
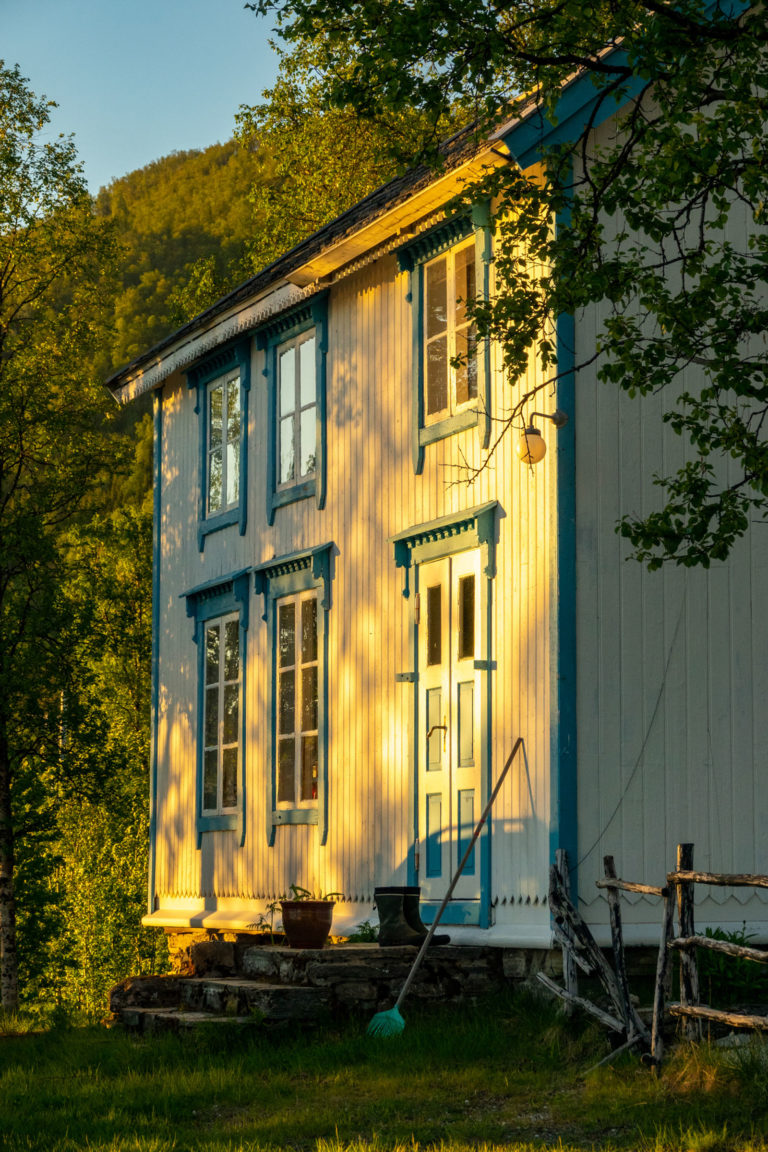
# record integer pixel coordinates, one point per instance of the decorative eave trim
(235, 586)
(473, 527)
(315, 561)
(438, 239)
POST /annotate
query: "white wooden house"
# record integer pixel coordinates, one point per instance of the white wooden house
(328, 591)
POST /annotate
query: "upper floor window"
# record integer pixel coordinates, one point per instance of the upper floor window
(450, 363)
(222, 384)
(297, 423)
(224, 426)
(295, 345)
(448, 267)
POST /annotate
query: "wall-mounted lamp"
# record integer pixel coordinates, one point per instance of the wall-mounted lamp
(531, 446)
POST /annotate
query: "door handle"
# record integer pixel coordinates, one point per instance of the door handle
(437, 728)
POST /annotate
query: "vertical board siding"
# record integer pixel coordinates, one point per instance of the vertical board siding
(372, 494)
(672, 676)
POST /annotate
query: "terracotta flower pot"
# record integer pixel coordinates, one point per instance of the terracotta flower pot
(307, 923)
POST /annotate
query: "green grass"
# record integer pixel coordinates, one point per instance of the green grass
(509, 1073)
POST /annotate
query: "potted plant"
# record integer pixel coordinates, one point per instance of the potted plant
(307, 918)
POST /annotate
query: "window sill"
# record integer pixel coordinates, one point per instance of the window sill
(224, 823)
(216, 523)
(295, 816)
(303, 491)
(468, 418)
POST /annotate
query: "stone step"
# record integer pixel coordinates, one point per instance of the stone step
(235, 997)
(151, 1021)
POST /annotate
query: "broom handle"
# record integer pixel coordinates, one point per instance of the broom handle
(457, 874)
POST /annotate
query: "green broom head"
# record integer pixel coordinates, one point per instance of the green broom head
(388, 1023)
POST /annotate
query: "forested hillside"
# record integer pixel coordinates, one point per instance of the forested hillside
(155, 248)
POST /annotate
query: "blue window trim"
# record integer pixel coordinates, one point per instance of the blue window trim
(459, 532)
(199, 376)
(220, 597)
(411, 259)
(286, 576)
(157, 464)
(312, 313)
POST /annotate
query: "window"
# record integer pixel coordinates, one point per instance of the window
(295, 347)
(297, 422)
(297, 701)
(222, 384)
(297, 591)
(220, 611)
(223, 449)
(221, 723)
(447, 267)
(448, 282)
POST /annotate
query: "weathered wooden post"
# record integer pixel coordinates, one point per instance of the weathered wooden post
(663, 970)
(689, 975)
(617, 941)
(570, 972)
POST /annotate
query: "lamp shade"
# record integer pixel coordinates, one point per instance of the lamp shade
(531, 446)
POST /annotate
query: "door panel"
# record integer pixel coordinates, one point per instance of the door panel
(449, 711)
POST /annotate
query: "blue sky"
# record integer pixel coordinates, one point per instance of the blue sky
(137, 79)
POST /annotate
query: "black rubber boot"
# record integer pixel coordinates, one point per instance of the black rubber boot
(394, 929)
(411, 897)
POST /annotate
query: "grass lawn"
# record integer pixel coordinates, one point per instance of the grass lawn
(506, 1074)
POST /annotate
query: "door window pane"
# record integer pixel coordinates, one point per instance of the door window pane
(466, 617)
(466, 721)
(434, 625)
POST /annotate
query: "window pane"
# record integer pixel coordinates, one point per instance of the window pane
(215, 406)
(286, 771)
(286, 717)
(286, 450)
(212, 654)
(214, 481)
(287, 381)
(233, 473)
(229, 778)
(466, 617)
(437, 375)
(231, 713)
(436, 299)
(466, 373)
(211, 717)
(465, 282)
(309, 698)
(286, 628)
(309, 631)
(309, 768)
(232, 650)
(434, 625)
(307, 372)
(308, 441)
(210, 775)
(233, 410)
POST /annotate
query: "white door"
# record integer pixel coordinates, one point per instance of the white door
(449, 721)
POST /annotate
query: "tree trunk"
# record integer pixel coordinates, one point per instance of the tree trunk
(9, 973)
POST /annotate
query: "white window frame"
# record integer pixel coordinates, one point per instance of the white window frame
(220, 745)
(298, 733)
(230, 443)
(298, 410)
(452, 333)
